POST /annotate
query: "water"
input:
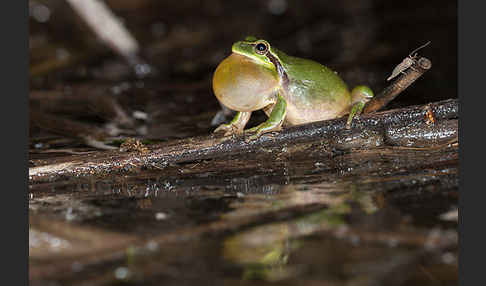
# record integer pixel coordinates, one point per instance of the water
(355, 218)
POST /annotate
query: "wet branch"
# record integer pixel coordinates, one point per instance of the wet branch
(369, 131)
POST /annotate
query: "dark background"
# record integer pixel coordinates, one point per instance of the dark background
(185, 40)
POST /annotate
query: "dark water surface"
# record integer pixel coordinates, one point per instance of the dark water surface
(347, 219)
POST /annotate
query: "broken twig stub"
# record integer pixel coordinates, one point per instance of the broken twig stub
(406, 63)
(417, 69)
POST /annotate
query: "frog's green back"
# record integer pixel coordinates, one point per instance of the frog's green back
(313, 92)
(319, 80)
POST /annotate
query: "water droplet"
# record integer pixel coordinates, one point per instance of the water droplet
(137, 114)
(142, 70)
(152, 245)
(240, 195)
(160, 216)
(70, 216)
(55, 242)
(448, 258)
(122, 273)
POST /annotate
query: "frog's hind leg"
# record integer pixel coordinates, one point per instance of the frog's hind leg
(360, 95)
(274, 121)
(236, 125)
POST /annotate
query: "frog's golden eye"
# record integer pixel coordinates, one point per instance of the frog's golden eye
(261, 48)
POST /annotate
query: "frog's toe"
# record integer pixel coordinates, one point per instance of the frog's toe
(228, 130)
(259, 132)
(253, 137)
(260, 129)
(232, 132)
(349, 121)
(252, 130)
(223, 128)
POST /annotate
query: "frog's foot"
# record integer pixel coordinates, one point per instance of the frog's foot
(355, 113)
(274, 121)
(360, 95)
(262, 129)
(236, 125)
(228, 129)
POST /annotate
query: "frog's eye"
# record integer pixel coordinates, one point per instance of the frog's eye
(261, 48)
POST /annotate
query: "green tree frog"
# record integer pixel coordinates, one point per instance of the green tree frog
(290, 90)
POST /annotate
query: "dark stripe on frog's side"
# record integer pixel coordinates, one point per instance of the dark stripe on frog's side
(281, 72)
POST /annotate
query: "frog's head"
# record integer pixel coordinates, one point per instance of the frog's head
(259, 51)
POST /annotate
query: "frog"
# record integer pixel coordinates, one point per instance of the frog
(290, 90)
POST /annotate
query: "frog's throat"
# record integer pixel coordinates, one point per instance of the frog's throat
(284, 78)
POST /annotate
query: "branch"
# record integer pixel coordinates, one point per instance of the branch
(369, 131)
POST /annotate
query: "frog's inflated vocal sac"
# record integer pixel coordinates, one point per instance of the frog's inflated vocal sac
(290, 90)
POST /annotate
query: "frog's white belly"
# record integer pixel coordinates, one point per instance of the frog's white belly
(301, 109)
(297, 115)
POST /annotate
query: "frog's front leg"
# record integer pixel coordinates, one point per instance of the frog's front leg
(359, 96)
(274, 121)
(236, 125)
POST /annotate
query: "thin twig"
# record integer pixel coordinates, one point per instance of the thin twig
(95, 101)
(67, 151)
(388, 94)
(64, 126)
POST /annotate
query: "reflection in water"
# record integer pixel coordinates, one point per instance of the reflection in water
(285, 222)
(264, 251)
(275, 197)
